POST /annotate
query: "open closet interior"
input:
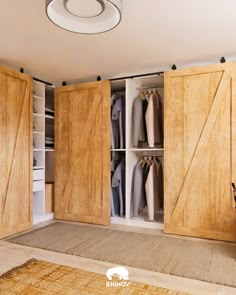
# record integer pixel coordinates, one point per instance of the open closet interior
(137, 151)
(43, 152)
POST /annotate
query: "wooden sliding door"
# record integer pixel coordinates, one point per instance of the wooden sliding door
(82, 152)
(200, 151)
(15, 152)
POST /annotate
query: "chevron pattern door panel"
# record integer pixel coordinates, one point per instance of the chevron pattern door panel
(15, 152)
(82, 152)
(200, 152)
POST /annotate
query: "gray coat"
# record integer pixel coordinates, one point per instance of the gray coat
(117, 122)
(138, 122)
(138, 195)
(118, 190)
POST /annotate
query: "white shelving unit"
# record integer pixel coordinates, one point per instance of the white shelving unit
(39, 214)
(133, 154)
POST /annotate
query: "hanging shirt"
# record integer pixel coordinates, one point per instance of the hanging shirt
(118, 124)
(115, 159)
(145, 105)
(138, 195)
(152, 192)
(152, 120)
(160, 182)
(160, 113)
(118, 189)
(113, 100)
(138, 121)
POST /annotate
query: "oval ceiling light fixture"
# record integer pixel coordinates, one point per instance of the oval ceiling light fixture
(85, 16)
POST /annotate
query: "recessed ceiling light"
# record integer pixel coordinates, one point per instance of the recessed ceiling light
(85, 16)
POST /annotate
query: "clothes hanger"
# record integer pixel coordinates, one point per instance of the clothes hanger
(142, 95)
(156, 160)
(147, 96)
(141, 162)
(150, 161)
(144, 161)
(157, 92)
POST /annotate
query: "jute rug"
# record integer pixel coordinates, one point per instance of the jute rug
(44, 278)
(200, 260)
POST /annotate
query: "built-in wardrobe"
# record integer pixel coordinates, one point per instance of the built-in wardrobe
(196, 152)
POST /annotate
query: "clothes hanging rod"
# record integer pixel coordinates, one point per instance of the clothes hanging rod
(149, 87)
(22, 70)
(118, 92)
(151, 156)
(119, 89)
(42, 81)
(137, 76)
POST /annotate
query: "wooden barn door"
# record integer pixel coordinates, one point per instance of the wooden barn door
(82, 153)
(200, 152)
(15, 152)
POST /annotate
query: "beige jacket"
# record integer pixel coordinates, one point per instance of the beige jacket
(152, 120)
(152, 187)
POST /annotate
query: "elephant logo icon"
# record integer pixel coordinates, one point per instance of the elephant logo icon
(121, 271)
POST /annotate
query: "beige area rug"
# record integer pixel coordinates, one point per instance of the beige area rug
(37, 277)
(200, 260)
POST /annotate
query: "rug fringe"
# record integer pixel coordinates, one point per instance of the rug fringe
(16, 268)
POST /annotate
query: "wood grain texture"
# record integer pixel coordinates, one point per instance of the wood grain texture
(16, 152)
(199, 152)
(82, 152)
(233, 133)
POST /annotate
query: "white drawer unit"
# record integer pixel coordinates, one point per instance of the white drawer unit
(38, 185)
(38, 174)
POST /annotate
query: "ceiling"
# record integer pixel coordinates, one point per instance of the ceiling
(153, 35)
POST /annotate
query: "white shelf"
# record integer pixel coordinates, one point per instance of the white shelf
(42, 218)
(146, 149)
(138, 223)
(38, 97)
(39, 152)
(118, 150)
(49, 150)
(118, 220)
(38, 115)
